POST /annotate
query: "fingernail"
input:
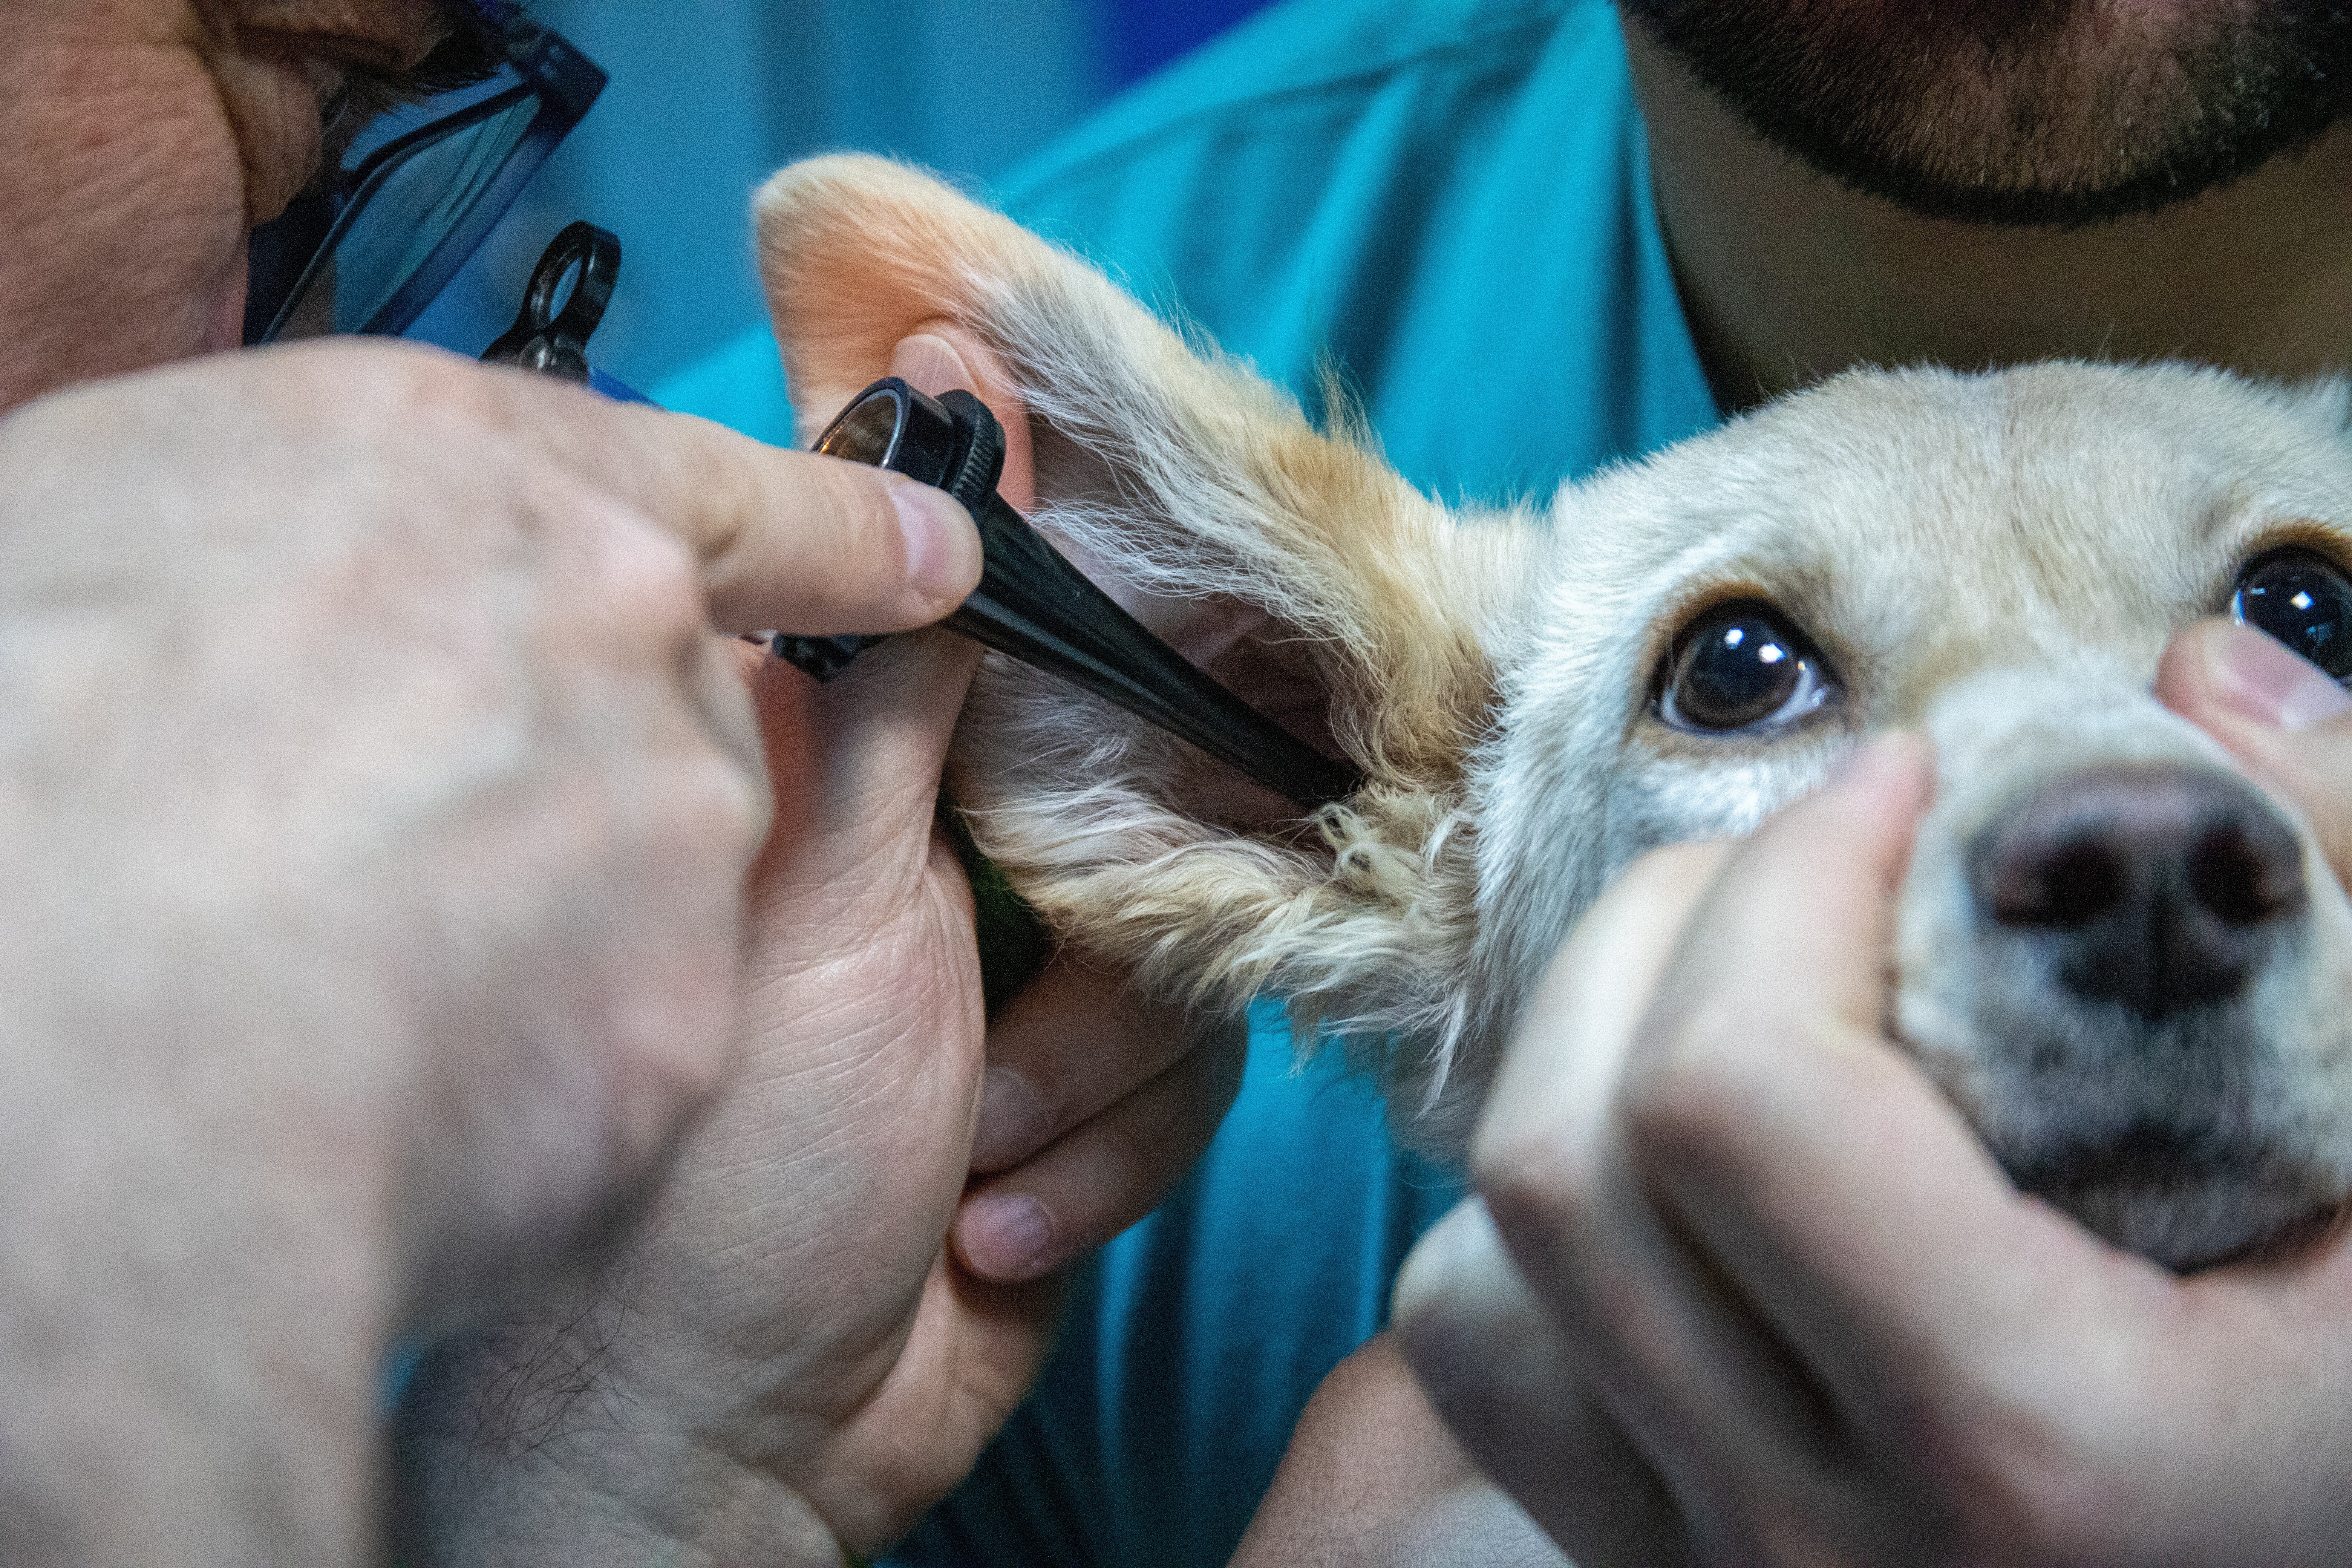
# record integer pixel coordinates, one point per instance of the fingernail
(1006, 1236)
(2261, 677)
(942, 546)
(1012, 1117)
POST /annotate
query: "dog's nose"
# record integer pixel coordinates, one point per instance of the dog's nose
(2160, 887)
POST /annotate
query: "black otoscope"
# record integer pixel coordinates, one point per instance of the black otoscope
(1035, 605)
(1030, 603)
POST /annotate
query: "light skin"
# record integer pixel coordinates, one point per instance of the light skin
(786, 1363)
(380, 805)
(376, 798)
(147, 138)
(213, 1274)
(1788, 276)
(1754, 1294)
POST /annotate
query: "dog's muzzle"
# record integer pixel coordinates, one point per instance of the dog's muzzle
(2112, 957)
(2155, 888)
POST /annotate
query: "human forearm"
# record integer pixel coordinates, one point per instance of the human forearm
(375, 804)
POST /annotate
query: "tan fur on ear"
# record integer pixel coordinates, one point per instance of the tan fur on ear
(857, 253)
(1174, 472)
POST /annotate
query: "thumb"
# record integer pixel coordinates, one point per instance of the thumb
(855, 767)
(2287, 720)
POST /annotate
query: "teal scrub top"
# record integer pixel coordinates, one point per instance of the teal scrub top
(1448, 202)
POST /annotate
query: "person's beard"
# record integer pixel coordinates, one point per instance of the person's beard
(2023, 112)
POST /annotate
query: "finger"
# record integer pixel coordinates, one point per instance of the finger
(1766, 1047)
(970, 1353)
(1103, 1174)
(789, 540)
(1977, 1342)
(903, 699)
(2286, 719)
(1544, 1114)
(784, 539)
(1049, 1067)
(1682, 1370)
(855, 765)
(1509, 1383)
(1069, 1045)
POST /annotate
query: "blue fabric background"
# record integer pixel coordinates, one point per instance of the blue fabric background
(709, 96)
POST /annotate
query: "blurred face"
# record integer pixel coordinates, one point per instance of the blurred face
(2021, 111)
(145, 139)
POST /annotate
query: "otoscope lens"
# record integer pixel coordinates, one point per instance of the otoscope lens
(867, 431)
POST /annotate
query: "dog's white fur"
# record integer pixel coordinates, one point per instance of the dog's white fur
(1998, 559)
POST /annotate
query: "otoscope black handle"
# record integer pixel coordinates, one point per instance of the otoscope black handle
(1035, 605)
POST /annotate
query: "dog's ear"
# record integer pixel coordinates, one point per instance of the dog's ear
(1292, 564)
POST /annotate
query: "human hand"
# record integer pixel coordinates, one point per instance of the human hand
(781, 1354)
(1744, 1287)
(376, 803)
(786, 1364)
(2287, 722)
(1097, 1100)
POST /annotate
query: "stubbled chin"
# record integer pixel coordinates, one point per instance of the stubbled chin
(224, 329)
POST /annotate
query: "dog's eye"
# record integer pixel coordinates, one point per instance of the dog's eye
(2302, 600)
(1741, 666)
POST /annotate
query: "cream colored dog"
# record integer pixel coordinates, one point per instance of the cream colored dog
(2125, 963)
